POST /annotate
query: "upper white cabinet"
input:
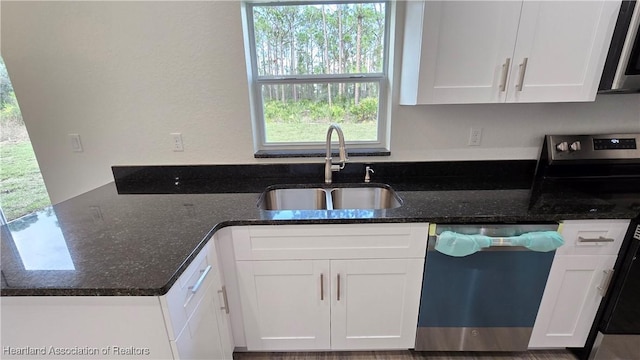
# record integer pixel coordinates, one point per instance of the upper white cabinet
(504, 51)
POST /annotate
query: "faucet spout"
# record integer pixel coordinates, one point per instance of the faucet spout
(329, 166)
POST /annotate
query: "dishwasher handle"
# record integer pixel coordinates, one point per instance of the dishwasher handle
(458, 245)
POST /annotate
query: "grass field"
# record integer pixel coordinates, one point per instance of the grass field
(22, 190)
(283, 132)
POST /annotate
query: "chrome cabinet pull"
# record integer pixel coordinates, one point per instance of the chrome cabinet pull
(196, 286)
(523, 69)
(595, 240)
(602, 289)
(321, 287)
(338, 287)
(505, 72)
(224, 299)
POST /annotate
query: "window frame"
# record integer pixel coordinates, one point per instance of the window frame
(256, 82)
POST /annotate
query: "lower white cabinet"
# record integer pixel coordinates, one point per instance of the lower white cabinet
(196, 313)
(332, 303)
(200, 339)
(285, 304)
(577, 282)
(566, 314)
(189, 322)
(377, 306)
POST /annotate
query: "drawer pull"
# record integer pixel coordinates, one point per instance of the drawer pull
(338, 287)
(321, 287)
(595, 240)
(606, 279)
(224, 299)
(196, 286)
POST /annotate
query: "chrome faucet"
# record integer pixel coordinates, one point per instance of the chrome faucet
(329, 166)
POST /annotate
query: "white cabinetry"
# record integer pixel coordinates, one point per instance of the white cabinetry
(504, 51)
(195, 311)
(285, 304)
(577, 282)
(189, 322)
(378, 303)
(341, 287)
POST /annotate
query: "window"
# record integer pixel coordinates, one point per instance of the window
(316, 63)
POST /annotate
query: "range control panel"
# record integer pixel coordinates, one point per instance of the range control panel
(614, 144)
(593, 147)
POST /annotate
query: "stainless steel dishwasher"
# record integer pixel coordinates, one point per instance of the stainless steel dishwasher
(486, 301)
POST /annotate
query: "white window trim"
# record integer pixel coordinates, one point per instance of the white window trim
(255, 82)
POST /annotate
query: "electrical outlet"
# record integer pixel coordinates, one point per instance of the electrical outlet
(475, 136)
(76, 144)
(177, 142)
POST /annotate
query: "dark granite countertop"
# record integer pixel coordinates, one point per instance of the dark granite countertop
(114, 240)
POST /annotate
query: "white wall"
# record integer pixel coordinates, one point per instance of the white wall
(124, 75)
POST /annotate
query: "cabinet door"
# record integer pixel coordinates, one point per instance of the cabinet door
(375, 303)
(454, 51)
(571, 299)
(285, 304)
(221, 305)
(200, 339)
(565, 45)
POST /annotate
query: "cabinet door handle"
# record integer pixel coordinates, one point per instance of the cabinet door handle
(196, 286)
(321, 287)
(606, 279)
(523, 69)
(505, 72)
(338, 287)
(224, 300)
(595, 240)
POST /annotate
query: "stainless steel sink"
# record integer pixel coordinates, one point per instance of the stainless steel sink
(294, 199)
(364, 198)
(373, 196)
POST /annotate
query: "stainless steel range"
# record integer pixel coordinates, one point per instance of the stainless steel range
(587, 173)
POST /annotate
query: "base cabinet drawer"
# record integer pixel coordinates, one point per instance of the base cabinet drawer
(593, 237)
(336, 241)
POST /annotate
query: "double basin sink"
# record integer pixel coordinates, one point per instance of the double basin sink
(373, 196)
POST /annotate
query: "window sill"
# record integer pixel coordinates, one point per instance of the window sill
(265, 154)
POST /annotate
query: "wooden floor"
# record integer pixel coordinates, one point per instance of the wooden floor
(409, 355)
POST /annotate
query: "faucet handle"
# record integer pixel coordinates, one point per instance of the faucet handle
(367, 170)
